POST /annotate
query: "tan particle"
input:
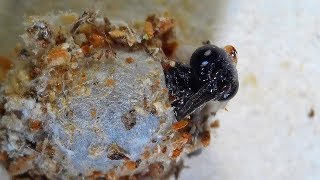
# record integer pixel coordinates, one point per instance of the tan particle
(232, 52)
(5, 65)
(97, 40)
(4, 157)
(172, 63)
(180, 125)
(205, 139)
(68, 18)
(35, 125)
(85, 50)
(95, 150)
(176, 153)
(159, 107)
(146, 155)
(250, 79)
(87, 91)
(20, 165)
(187, 136)
(165, 25)
(129, 60)
(180, 142)
(164, 149)
(117, 33)
(131, 165)
(83, 78)
(50, 150)
(74, 65)
(110, 83)
(52, 96)
(155, 169)
(93, 113)
(148, 29)
(58, 56)
(110, 175)
(215, 124)
(96, 175)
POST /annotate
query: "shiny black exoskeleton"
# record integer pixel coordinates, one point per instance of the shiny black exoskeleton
(211, 76)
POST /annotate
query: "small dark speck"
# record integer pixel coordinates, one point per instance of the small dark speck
(96, 83)
(206, 42)
(311, 113)
(138, 161)
(24, 53)
(129, 119)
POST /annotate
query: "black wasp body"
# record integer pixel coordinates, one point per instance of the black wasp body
(211, 76)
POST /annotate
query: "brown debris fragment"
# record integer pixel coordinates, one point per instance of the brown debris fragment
(85, 50)
(85, 17)
(165, 25)
(4, 157)
(58, 56)
(232, 52)
(115, 152)
(5, 65)
(124, 36)
(95, 175)
(93, 113)
(129, 60)
(146, 155)
(110, 83)
(155, 169)
(311, 113)
(97, 40)
(110, 175)
(117, 33)
(155, 86)
(129, 119)
(205, 139)
(170, 47)
(131, 165)
(179, 125)
(161, 25)
(35, 125)
(60, 39)
(49, 149)
(131, 177)
(187, 136)
(215, 124)
(164, 149)
(176, 153)
(20, 165)
(148, 29)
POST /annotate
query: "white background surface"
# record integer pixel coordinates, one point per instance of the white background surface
(267, 133)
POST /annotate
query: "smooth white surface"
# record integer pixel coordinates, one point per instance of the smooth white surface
(267, 133)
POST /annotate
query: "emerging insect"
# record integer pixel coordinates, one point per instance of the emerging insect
(211, 76)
